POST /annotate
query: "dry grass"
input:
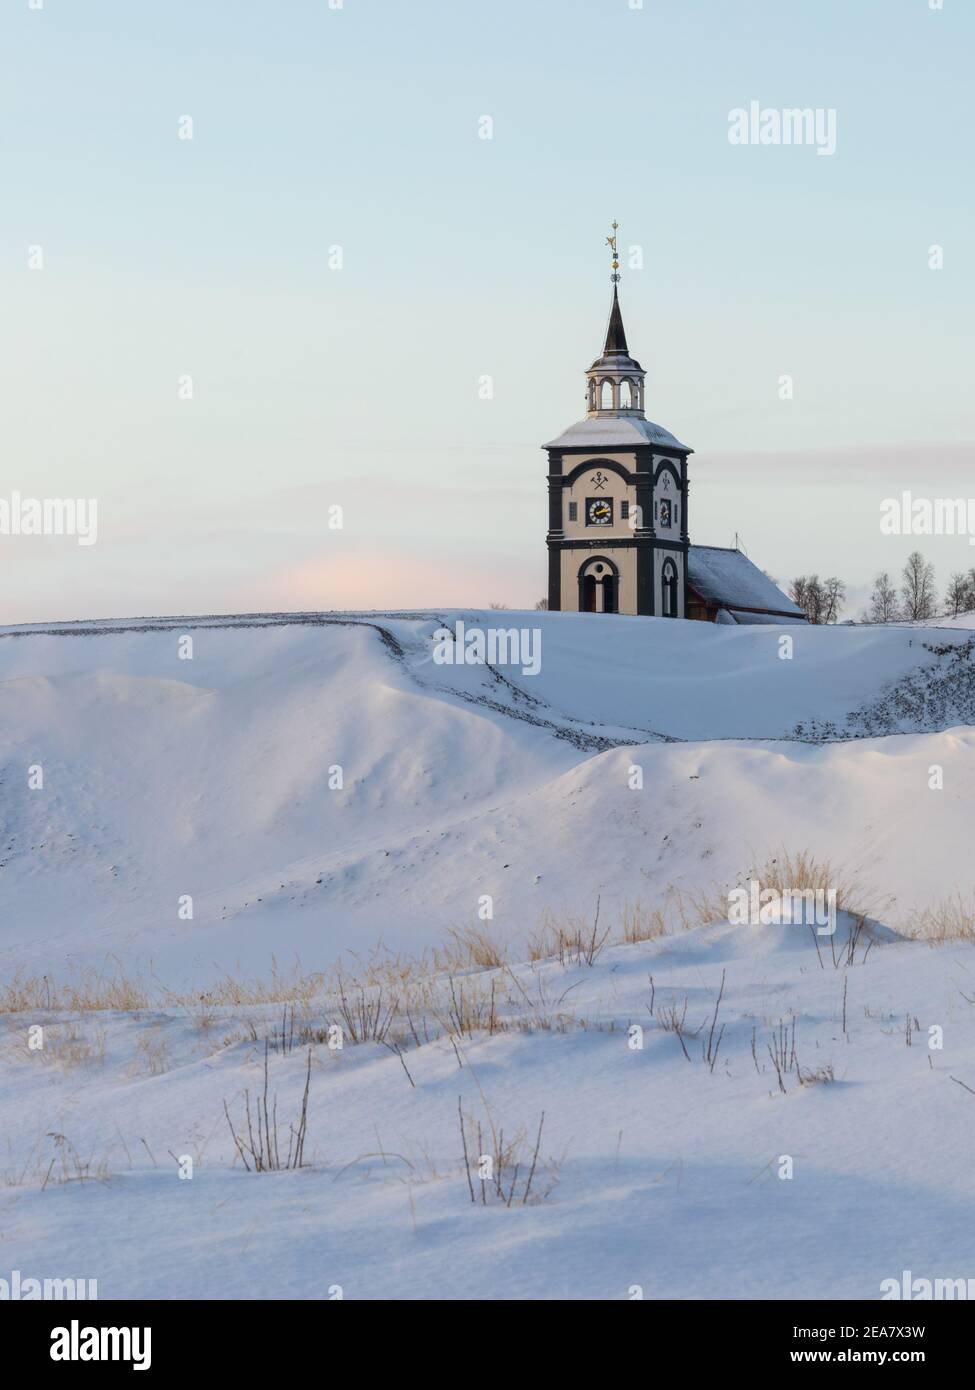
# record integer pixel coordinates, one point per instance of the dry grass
(952, 919)
(643, 924)
(822, 1076)
(151, 1054)
(573, 941)
(93, 991)
(76, 1043)
(87, 992)
(281, 987)
(470, 948)
(786, 872)
(75, 1046)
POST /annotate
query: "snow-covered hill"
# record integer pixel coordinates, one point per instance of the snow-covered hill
(729, 1111)
(654, 1170)
(210, 777)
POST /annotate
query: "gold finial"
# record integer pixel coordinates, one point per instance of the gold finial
(611, 241)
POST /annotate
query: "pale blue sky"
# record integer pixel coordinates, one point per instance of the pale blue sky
(464, 257)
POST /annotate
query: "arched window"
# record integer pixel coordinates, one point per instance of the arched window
(606, 395)
(669, 579)
(626, 394)
(599, 586)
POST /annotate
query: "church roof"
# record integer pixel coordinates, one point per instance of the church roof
(616, 431)
(615, 332)
(728, 578)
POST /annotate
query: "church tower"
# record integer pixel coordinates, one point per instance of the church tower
(617, 489)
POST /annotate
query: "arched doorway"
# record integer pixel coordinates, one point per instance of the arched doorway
(669, 585)
(599, 582)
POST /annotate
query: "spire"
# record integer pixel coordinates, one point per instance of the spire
(615, 333)
(615, 380)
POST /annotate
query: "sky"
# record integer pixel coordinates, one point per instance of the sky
(339, 295)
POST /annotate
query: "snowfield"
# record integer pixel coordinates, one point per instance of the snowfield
(335, 802)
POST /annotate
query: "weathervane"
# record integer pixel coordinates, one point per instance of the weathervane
(611, 241)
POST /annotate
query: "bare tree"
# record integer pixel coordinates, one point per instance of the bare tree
(958, 594)
(541, 606)
(834, 597)
(918, 590)
(883, 600)
(807, 593)
(821, 600)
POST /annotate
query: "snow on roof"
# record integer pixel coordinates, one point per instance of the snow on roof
(746, 616)
(622, 431)
(728, 578)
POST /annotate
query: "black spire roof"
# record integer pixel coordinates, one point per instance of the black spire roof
(615, 333)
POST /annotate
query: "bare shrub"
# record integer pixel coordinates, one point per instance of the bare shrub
(67, 1165)
(674, 1020)
(469, 1007)
(572, 942)
(504, 1169)
(366, 1015)
(261, 1153)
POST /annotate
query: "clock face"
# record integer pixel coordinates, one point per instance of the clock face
(599, 511)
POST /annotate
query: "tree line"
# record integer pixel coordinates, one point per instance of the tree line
(914, 600)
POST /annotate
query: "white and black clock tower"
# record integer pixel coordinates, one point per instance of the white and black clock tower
(617, 485)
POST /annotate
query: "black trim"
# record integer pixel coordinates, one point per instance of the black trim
(554, 579)
(614, 542)
(667, 449)
(590, 464)
(555, 486)
(666, 465)
(603, 560)
(644, 581)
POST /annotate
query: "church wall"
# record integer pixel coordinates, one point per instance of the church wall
(660, 556)
(598, 482)
(668, 503)
(623, 558)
